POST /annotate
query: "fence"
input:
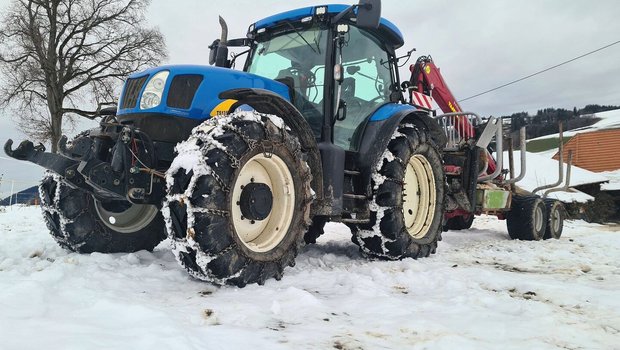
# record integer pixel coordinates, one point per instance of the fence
(18, 192)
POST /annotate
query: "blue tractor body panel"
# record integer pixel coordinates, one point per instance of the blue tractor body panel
(388, 110)
(297, 14)
(214, 81)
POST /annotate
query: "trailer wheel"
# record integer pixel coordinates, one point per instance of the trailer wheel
(555, 223)
(408, 199)
(238, 199)
(83, 224)
(527, 218)
(459, 223)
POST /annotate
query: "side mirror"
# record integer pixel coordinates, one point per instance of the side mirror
(213, 51)
(218, 54)
(369, 14)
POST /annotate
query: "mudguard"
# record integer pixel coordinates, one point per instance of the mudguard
(379, 131)
(265, 101)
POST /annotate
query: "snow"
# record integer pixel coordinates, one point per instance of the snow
(614, 180)
(480, 291)
(609, 120)
(542, 170)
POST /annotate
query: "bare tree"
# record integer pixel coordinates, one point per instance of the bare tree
(57, 55)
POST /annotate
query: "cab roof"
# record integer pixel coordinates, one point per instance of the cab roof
(387, 30)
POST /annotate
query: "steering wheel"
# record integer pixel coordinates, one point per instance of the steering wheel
(303, 74)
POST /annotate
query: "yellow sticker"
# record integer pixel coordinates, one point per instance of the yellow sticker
(223, 108)
(427, 69)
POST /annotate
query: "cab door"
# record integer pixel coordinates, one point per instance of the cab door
(366, 84)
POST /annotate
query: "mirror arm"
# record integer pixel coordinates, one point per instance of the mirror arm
(344, 13)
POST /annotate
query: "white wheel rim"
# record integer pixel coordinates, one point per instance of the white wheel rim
(131, 220)
(264, 235)
(419, 196)
(555, 218)
(538, 218)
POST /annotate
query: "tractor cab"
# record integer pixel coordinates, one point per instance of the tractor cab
(337, 62)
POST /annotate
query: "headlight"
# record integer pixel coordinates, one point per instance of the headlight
(151, 97)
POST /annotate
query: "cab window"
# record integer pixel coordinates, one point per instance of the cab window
(366, 84)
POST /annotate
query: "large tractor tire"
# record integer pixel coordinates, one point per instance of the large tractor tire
(555, 223)
(458, 223)
(408, 199)
(83, 224)
(238, 199)
(527, 218)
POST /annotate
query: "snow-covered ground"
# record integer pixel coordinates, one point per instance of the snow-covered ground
(480, 291)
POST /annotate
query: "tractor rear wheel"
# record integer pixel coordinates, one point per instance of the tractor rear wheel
(408, 199)
(83, 224)
(238, 199)
(555, 223)
(527, 218)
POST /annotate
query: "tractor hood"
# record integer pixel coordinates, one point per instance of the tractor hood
(188, 91)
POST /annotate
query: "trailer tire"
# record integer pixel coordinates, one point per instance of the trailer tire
(458, 223)
(527, 218)
(75, 220)
(401, 228)
(555, 223)
(229, 170)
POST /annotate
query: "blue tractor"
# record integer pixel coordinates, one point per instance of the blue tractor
(241, 168)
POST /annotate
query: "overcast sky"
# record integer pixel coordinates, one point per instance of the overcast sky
(478, 44)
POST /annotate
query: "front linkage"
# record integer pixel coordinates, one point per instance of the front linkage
(114, 162)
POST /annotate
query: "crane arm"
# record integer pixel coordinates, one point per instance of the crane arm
(426, 78)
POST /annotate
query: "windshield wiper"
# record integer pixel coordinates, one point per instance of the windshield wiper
(304, 39)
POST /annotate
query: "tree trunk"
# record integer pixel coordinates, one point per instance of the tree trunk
(56, 130)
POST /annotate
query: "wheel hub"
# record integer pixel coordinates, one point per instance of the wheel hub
(256, 201)
(263, 202)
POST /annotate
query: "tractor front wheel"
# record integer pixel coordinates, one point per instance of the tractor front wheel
(238, 199)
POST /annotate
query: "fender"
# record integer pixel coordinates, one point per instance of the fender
(379, 131)
(265, 101)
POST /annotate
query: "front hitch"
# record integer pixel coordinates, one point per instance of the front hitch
(63, 166)
(25, 151)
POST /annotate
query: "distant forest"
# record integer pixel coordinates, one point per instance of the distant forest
(545, 122)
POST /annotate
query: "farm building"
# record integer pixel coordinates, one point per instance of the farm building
(596, 151)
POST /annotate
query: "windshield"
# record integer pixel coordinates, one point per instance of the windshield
(297, 59)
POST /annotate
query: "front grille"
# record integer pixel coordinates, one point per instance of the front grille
(182, 90)
(132, 90)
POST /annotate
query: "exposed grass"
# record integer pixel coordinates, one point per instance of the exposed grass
(545, 144)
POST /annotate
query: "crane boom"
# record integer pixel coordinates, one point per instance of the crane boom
(426, 78)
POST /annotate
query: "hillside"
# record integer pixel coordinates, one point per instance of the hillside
(608, 120)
